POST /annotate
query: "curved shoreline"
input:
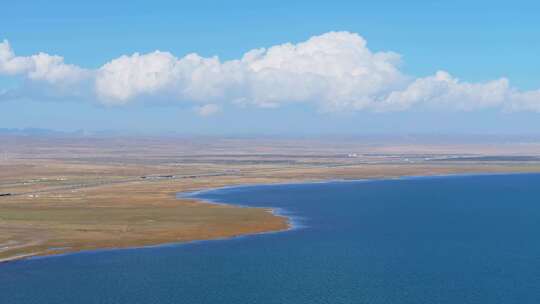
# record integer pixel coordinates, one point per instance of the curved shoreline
(276, 212)
(187, 194)
(292, 220)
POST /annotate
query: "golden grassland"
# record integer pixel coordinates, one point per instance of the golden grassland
(70, 195)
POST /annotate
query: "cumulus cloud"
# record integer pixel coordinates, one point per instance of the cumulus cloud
(444, 91)
(335, 71)
(39, 67)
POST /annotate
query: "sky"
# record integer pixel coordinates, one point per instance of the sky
(272, 67)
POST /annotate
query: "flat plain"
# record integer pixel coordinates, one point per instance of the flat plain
(61, 194)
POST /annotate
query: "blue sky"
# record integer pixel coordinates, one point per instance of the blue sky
(476, 43)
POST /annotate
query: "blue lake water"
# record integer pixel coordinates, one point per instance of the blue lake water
(459, 239)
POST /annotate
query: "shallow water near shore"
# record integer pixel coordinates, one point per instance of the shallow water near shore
(453, 239)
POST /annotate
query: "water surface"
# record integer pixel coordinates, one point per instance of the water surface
(460, 239)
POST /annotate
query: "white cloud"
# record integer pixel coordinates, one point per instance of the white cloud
(191, 78)
(444, 91)
(128, 76)
(335, 71)
(524, 101)
(208, 109)
(9, 63)
(39, 67)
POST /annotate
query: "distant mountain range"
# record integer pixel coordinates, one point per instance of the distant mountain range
(29, 131)
(50, 132)
(367, 138)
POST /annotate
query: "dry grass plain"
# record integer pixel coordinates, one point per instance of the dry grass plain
(69, 194)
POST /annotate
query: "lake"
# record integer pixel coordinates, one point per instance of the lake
(453, 239)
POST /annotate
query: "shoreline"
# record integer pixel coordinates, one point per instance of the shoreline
(273, 211)
(292, 221)
(276, 212)
(186, 194)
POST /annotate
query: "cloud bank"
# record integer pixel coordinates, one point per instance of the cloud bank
(336, 71)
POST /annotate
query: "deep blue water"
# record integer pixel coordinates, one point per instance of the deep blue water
(460, 239)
